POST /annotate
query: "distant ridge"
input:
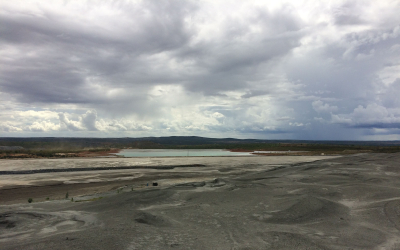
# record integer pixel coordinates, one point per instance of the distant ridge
(163, 141)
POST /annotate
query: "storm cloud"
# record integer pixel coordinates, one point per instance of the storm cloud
(246, 69)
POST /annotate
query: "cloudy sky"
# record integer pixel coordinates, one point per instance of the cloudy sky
(247, 69)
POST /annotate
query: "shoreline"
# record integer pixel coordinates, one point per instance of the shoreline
(113, 153)
(39, 178)
(61, 155)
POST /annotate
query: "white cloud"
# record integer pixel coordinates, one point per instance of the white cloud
(9, 128)
(320, 107)
(69, 124)
(43, 126)
(373, 116)
(42, 114)
(296, 124)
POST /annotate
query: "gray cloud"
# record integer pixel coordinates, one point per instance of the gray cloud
(298, 70)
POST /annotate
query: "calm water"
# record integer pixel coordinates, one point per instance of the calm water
(178, 152)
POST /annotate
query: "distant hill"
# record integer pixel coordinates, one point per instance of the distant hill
(164, 142)
(18, 147)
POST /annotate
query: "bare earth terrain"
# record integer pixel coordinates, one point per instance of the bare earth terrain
(277, 202)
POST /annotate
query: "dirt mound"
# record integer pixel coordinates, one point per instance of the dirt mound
(150, 219)
(309, 209)
(19, 220)
(16, 225)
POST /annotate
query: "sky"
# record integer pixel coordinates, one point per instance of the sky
(309, 70)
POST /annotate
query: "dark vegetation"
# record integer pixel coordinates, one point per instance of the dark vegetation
(80, 147)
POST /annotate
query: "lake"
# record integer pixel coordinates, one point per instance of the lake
(179, 152)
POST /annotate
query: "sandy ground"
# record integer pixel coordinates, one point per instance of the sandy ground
(286, 202)
(17, 188)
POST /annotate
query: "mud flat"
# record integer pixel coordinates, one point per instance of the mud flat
(286, 202)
